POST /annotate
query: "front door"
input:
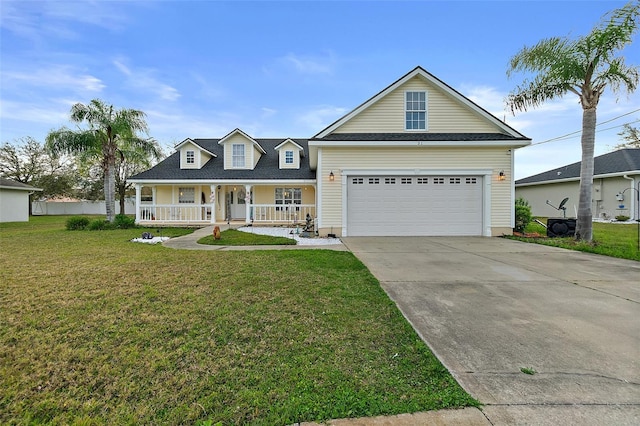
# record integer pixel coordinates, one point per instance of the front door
(236, 204)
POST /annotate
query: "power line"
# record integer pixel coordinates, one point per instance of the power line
(572, 134)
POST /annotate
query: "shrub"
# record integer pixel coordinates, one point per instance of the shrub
(622, 218)
(77, 223)
(523, 214)
(123, 221)
(100, 225)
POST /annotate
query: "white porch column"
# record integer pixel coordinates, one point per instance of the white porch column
(247, 203)
(138, 201)
(212, 200)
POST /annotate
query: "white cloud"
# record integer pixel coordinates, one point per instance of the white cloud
(57, 77)
(39, 20)
(144, 79)
(309, 64)
(320, 117)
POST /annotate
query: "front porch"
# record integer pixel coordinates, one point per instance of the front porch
(171, 214)
(202, 205)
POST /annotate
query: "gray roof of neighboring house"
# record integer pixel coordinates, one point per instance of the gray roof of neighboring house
(12, 184)
(268, 166)
(417, 136)
(620, 161)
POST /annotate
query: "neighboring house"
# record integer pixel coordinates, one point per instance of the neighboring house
(418, 158)
(14, 200)
(616, 178)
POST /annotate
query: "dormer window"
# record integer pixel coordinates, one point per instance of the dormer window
(288, 157)
(238, 155)
(191, 157)
(415, 110)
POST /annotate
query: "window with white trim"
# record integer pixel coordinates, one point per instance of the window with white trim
(288, 196)
(187, 195)
(288, 157)
(191, 157)
(237, 155)
(405, 181)
(415, 110)
(358, 181)
(423, 180)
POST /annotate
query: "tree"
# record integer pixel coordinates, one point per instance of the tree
(26, 160)
(631, 135)
(584, 66)
(107, 131)
(131, 161)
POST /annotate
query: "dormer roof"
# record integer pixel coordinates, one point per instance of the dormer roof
(240, 132)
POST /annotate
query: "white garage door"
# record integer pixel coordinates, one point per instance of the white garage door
(425, 205)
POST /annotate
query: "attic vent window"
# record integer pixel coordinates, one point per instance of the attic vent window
(191, 157)
(416, 110)
(288, 157)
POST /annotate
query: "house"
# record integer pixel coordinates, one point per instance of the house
(14, 200)
(418, 158)
(616, 178)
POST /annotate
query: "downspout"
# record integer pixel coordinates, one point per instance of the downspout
(633, 198)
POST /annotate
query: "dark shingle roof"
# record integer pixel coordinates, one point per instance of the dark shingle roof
(267, 167)
(12, 184)
(622, 160)
(417, 136)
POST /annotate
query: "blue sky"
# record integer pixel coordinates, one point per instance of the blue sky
(200, 69)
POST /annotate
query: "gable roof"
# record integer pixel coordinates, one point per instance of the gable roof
(291, 141)
(267, 168)
(419, 71)
(188, 140)
(238, 131)
(620, 162)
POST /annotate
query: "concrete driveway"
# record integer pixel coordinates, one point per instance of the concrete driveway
(488, 307)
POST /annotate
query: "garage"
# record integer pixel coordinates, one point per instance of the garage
(414, 205)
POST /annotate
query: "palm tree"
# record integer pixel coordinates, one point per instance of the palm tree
(585, 67)
(108, 130)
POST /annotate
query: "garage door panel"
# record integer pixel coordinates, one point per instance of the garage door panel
(441, 205)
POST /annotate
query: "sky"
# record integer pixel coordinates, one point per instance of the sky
(200, 69)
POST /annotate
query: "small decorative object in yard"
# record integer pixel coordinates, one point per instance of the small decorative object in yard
(147, 236)
(307, 231)
(216, 232)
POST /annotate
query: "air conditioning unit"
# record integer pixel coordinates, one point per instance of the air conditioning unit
(561, 227)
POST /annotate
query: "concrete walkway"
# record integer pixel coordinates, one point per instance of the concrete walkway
(190, 242)
(489, 307)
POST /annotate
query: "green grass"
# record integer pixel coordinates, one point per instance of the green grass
(609, 239)
(233, 237)
(95, 329)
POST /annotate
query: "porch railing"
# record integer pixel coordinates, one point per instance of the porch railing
(175, 213)
(259, 213)
(271, 213)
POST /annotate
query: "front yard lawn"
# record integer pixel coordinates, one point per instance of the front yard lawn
(233, 237)
(609, 239)
(95, 329)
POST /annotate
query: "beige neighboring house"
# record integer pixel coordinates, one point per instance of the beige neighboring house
(616, 179)
(14, 200)
(418, 158)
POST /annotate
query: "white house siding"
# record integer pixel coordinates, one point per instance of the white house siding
(424, 160)
(604, 202)
(444, 114)
(14, 205)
